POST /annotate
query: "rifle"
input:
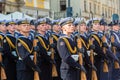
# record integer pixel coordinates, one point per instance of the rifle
(2, 70)
(82, 73)
(116, 64)
(54, 70)
(36, 74)
(105, 65)
(94, 74)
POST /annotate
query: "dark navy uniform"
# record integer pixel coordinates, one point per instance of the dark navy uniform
(115, 73)
(56, 55)
(57, 58)
(103, 75)
(84, 40)
(99, 55)
(86, 60)
(10, 56)
(25, 65)
(44, 59)
(70, 68)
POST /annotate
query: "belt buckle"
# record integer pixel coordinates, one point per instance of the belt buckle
(75, 57)
(48, 53)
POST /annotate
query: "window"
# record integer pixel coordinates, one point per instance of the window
(8, 12)
(85, 6)
(62, 5)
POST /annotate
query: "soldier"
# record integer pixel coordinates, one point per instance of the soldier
(10, 56)
(82, 30)
(44, 60)
(55, 34)
(98, 46)
(102, 33)
(3, 31)
(70, 68)
(25, 65)
(116, 43)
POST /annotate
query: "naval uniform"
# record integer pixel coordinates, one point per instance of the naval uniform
(70, 68)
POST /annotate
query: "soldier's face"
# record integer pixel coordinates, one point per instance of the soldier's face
(48, 27)
(56, 28)
(42, 27)
(11, 28)
(107, 28)
(25, 28)
(116, 27)
(17, 27)
(3, 28)
(96, 26)
(32, 27)
(102, 28)
(82, 27)
(69, 28)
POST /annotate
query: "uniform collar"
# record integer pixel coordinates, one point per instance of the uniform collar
(64, 35)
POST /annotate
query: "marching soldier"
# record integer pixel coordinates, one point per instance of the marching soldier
(82, 30)
(97, 45)
(106, 75)
(44, 60)
(55, 34)
(116, 43)
(70, 68)
(25, 65)
(3, 31)
(10, 56)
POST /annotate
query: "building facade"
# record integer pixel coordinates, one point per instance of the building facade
(28, 7)
(31, 7)
(85, 7)
(57, 8)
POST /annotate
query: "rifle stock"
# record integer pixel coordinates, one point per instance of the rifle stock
(3, 74)
(94, 74)
(82, 73)
(54, 70)
(105, 65)
(36, 74)
(116, 64)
